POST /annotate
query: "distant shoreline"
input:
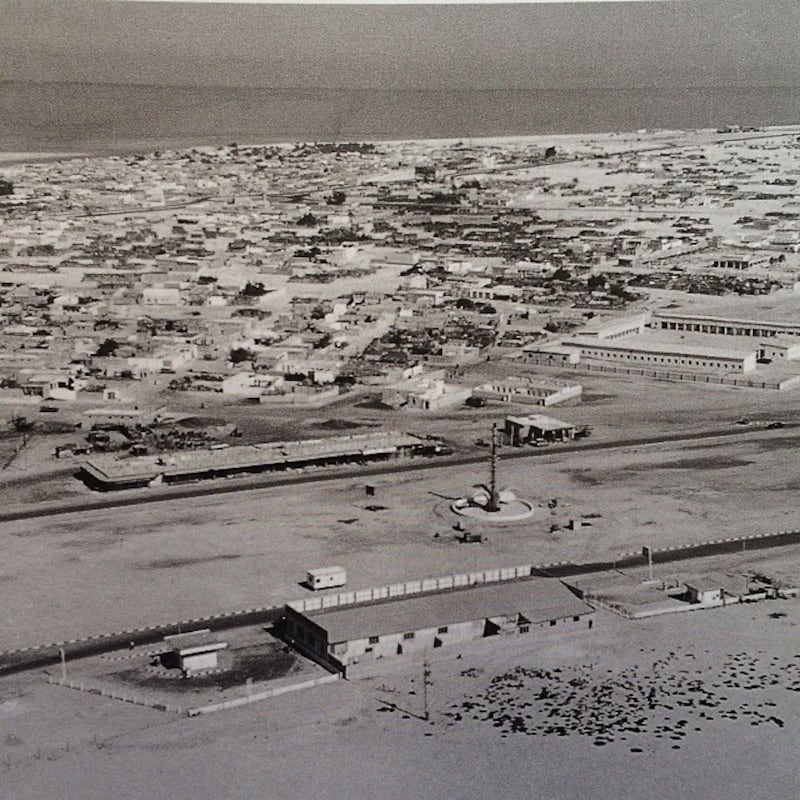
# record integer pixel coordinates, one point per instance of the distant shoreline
(69, 120)
(18, 157)
(11, 159)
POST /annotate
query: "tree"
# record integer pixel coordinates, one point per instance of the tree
(562, 274)
(107, 348)
(337, 197)
(596, 282)
(240, 354)
(253, 290)
(618, 290)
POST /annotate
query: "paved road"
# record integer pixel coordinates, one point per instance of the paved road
(271, 480)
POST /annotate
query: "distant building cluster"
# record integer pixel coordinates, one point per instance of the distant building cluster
(288, 274)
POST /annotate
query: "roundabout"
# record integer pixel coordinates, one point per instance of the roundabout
(490, 504)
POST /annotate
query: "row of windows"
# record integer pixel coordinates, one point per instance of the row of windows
(659, 359)
(730, 330)
(409, 635)
(523, 628)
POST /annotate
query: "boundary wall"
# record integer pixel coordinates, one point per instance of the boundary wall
(667, 375)
(257, 696)
(397, 590)
(125, 698)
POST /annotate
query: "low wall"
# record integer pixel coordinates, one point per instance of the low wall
(405, 588)
(124, 697)
(668, 375)
(258, 696)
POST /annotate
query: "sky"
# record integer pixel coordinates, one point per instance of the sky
(662, 43)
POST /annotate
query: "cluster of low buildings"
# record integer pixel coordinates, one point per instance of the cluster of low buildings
(287, 274)
(683, 346)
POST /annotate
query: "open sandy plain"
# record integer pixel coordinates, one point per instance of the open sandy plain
(700, 704)
(83, 573)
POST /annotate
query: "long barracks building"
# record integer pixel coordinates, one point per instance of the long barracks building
(533, 609)
(108, 472)
(723, 326)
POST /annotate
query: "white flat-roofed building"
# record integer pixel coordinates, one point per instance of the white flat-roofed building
(741, 261)
(616, 328)
(414, 625)
(722, 326)
(193, 652)
(641, 352)
(529, 391)
(161, 296)
(550, 355)
(780, 348)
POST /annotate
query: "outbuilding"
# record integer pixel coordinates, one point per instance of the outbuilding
(192, 652)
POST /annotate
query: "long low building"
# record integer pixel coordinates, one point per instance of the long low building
(107, 472)
(363, 634)
(641, 352)
(722, 326)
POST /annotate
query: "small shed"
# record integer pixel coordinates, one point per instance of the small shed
(716, 588)
(701, 590)
(192, 652)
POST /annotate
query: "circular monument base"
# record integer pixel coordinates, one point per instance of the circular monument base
(512, 511)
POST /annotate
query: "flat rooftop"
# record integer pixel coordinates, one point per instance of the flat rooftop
(244, 456)
(778, 307)
(538, 600)
(541, 421)
(646, 343)
(789, 325)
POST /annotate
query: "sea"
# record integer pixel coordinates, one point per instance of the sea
(106, 118)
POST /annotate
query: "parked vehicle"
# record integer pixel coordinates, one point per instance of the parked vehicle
(326, 578)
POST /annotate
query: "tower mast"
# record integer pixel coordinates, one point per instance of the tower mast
(494, 495)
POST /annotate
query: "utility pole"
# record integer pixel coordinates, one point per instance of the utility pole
(63, 664)
(646, 551)
(426, 677)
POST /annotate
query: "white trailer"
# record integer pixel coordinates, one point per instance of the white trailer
(326, 577)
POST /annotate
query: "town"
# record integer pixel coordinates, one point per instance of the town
(349, 425)
(419, 276)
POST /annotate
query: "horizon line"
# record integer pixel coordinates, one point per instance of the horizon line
(454, 88)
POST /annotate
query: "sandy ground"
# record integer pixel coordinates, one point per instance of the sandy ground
(616, 407)
(719, 690)
(90, 572)
(85, 573)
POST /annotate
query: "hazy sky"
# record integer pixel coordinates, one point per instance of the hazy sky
(662, 43)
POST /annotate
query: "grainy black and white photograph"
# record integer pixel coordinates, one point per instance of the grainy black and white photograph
(399, 400)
